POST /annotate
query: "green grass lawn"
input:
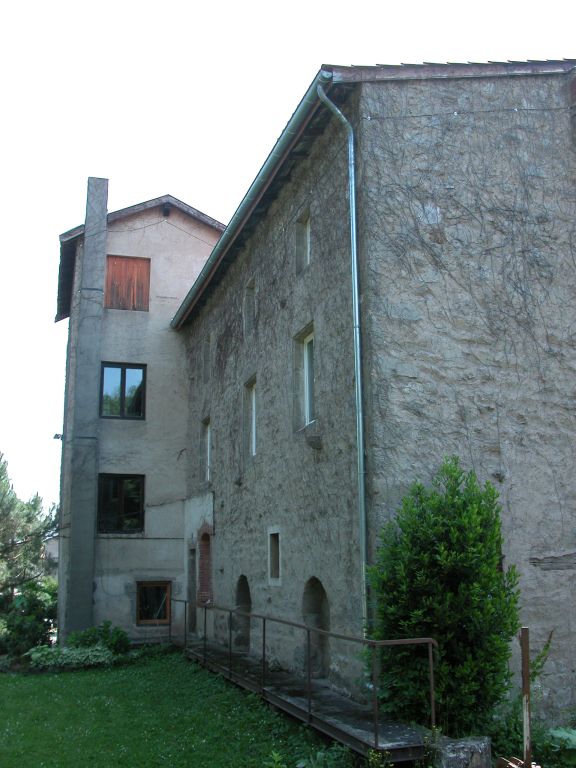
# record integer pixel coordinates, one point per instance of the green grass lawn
(162, 711)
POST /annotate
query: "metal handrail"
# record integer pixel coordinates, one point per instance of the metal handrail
(367, 642)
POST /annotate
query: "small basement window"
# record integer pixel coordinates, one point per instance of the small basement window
(153, 602)
(274, 556)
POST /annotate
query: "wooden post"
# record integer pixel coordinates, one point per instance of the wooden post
(525, 649)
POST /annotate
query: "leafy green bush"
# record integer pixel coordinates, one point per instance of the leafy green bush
(439, 574)
(335, 756)
(564, 744)
(28, 617)
(51, 657)
(506, 735)
(113, 638)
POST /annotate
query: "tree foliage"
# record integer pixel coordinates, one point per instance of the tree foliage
(26, 620)
(439, 574)
(24, 529)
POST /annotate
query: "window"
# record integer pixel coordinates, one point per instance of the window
(207, 448)
(250, 418)
(153, 602)
(127, 283)
(249, 307)
(303, 241)
(205, 569)
(274, 556)
(304, 385)
(308, 344)
(120, 503)
(206, 358)
(122, 391)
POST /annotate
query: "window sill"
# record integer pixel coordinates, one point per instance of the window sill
(312, 434)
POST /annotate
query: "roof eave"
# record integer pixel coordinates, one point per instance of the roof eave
(68, 246)
(123, 213)
(290, 135)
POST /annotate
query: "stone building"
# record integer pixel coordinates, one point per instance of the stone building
(363, 317)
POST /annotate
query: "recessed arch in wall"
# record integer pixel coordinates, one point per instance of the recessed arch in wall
(316, 614)
(243, 604)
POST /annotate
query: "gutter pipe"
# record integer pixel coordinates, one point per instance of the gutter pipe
(360, 440)
(301, 117)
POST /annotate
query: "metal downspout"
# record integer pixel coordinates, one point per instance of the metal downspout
(357, 349)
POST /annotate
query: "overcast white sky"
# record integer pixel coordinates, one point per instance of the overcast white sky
(184, 98)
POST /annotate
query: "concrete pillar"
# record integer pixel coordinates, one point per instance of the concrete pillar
(85, 422)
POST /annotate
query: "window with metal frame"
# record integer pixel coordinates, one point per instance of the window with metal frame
(308, 369)
(304, 387)
(250, 417)
(153, 602)
(207, 449)
(120, 503)
(123, 391)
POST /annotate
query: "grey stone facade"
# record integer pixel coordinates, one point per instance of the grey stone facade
(466, 226)
(466, 191)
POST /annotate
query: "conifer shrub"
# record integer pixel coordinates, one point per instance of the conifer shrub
(27, 618)
(439, 574)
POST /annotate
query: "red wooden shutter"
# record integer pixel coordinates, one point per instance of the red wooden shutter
(127, 283)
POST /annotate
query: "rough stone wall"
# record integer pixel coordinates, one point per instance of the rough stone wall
(301, 482)
(467, 222)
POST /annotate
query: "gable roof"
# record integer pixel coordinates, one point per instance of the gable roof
(69, 239)
(306, 123)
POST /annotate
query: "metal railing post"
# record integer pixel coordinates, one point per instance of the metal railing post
(375, 694)
(268, 689)
(308, 675)
(230, 643)
(432, 696)
(205, 609)
(526, 729)
(185, 624)
(263, 652)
